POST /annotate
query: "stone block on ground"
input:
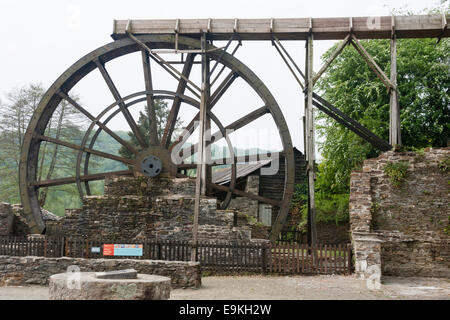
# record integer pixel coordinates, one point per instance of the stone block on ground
(86, 286)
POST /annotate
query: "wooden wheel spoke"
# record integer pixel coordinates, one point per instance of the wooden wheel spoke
(238, 159)
(245, 120)
(245, 194)
(223, 67)
(222, 88)
(173, 74)
(125, 112)
(153, 131)
(173, 115)
(87, 150)
(70, 180)
(215, 97)
(98, 122)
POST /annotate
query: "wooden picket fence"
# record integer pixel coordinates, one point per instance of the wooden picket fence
(306, 259)
(221, 257)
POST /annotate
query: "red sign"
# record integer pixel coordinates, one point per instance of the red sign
(108, 249)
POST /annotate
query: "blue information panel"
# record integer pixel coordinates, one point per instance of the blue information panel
(134, 250)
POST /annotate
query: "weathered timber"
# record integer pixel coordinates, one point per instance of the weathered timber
(349, 123)
(173, 115)
(151, 111)
(418, 26)
(91, 177)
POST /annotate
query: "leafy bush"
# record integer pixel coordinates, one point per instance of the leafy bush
(396, 172)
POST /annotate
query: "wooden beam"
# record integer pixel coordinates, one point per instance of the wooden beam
(330, 60)
(200, 180)
(237, 160)
(207, 151)
(173, 115)
(97, 122)
(87, 150)
(90, 177)
(151, 111)
(354, 126)
(246, 194)
(394, 113)
(288, 65)
(222, 88)
(310, 136)
(241, 122)
(214, 98)
(418, 26)
(371, 63)
(124, 110)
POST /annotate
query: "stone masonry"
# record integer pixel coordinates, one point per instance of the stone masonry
(19, 271)
(247, 205)
(6, 219)
(403, 230)
(160, 208)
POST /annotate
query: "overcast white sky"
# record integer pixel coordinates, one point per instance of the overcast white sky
(41, 39)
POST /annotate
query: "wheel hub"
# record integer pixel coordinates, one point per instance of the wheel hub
(151, 166)
(153, 162)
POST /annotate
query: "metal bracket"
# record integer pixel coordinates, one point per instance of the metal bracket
(444, 27)
(350, 25)
(310, 26)
(235, 25)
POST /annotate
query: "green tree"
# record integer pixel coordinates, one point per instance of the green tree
(162, 113)
(54, 161)
(15, 115)
(423, 83)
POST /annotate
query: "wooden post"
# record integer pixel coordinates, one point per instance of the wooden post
(310, 140)
(45, 247)
(394, 124)
(200, 184)
(67, 247)
(207, 147)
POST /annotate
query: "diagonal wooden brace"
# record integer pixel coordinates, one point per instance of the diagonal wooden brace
(372, 64)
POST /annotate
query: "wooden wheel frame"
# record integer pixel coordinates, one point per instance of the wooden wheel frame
(29, 186)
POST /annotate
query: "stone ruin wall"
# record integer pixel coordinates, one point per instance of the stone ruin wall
(22, 271)
(404, 229)
(247, 205)
(161, 208)
(6, 219)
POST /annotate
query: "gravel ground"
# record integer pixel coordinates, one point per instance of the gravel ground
(284, 288)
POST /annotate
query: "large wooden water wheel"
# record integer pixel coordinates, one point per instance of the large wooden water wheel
(153, 156)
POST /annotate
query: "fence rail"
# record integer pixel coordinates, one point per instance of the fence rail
(234, 257)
